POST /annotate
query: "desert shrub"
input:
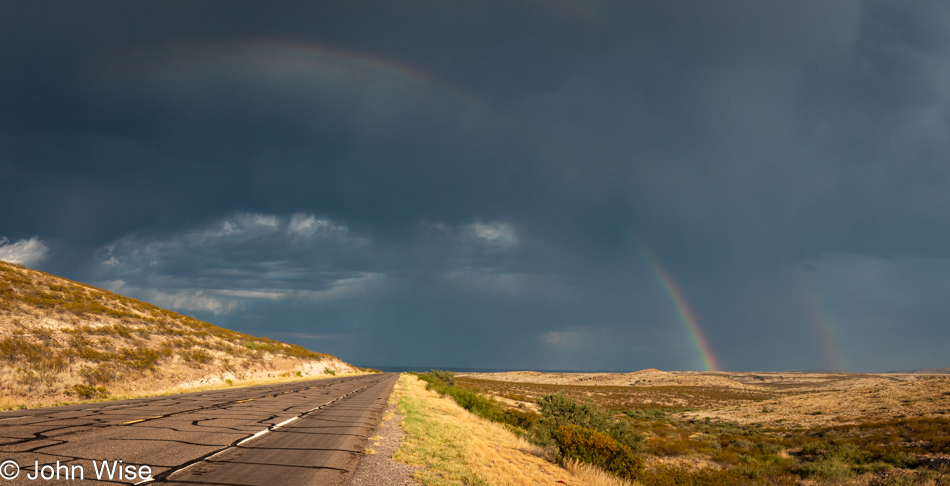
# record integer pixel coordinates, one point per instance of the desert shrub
(622, 431)
(433, 382)
(647, 414)
(670, 446)
(478, 404)
(898, 458)
(142, 358)
(98, 375)
(812, 447)
(669, 475)
(43, 334)
(558, 410)
(827, 467)
(49, 368)
(770, 447)
(294, 351)
(89, 353)
(446, 377)
(197, 355)
(261, 346)
(26, 377)
(851, 454)
(89, 391)
(593, 447)
(328, 371)
(879, 468)
(664, 475)
(18, 348)
(523, 419)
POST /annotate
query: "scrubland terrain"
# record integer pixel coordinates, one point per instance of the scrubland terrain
(64, 341)
(769, 399)
(454, 446)
(694, 428)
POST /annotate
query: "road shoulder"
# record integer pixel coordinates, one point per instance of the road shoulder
(377, 467)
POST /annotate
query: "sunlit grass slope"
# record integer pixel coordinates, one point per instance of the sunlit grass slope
(459, 448)
(62, 340)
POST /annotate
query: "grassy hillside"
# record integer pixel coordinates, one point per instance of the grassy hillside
(62, 340)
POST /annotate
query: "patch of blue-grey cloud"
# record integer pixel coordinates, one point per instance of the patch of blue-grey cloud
(446, 185)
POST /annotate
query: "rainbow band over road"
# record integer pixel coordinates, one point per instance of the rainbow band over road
(709, 361)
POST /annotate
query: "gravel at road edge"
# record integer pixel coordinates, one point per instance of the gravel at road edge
(380, 469)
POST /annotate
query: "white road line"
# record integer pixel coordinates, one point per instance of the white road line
(285, 422)
(254, 436)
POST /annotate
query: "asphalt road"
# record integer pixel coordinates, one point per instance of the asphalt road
(305, 432)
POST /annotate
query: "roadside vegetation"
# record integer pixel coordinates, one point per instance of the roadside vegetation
(461, 448)
(661, 446)
(63, 341)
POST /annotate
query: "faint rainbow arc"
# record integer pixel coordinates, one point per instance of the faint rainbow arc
(683, 310)
(326, 57)
(255, 55)
(826, 331)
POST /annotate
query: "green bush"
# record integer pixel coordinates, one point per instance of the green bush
(828, 467)
(648, 414)
(593, 447)
(141, 359)
(198, 355)
(851, 454)
(446, 377)
(328, 371)
(89, 391)
(558, 410)
(100, 374)
(900, 459)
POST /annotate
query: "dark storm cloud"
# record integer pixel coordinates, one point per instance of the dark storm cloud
(454, 186)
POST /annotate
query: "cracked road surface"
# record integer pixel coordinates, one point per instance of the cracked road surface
(305, 432)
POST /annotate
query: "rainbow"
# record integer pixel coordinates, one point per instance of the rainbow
(826, 331)
(344, 67)
(709, 361)
(356, 64)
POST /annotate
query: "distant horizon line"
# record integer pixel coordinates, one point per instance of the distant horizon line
(462, 369)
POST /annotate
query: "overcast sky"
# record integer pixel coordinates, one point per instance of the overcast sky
(564, 184)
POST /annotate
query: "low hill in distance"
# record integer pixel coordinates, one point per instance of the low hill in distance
(941, 371)
(62, 340)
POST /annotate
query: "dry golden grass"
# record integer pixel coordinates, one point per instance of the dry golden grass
(457, 447)
(63, 341)
(923, 397)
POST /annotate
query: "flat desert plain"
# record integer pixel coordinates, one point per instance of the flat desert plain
(776, 399)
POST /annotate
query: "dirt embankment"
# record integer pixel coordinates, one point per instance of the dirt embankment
(66, 341)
